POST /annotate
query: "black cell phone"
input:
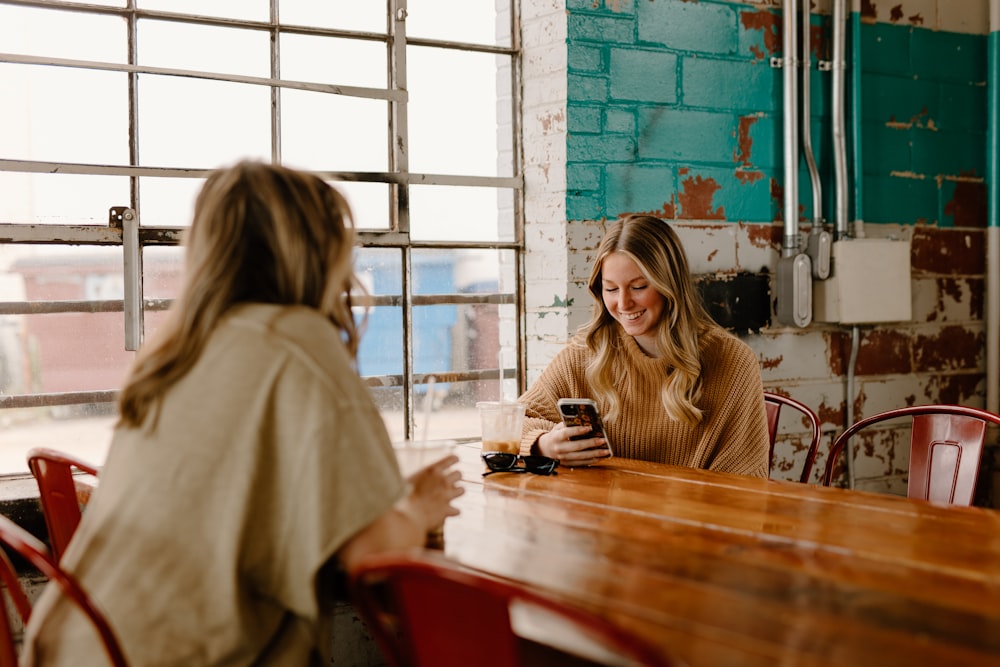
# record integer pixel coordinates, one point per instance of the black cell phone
(583, 412)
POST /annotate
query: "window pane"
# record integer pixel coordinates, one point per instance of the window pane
(454, 128)
(167, 202)
(367, 16)
(84, 430)
(369, 203)
(55, 34)
(162, 274)
(347, 62)
(60, 198)
(475, 21)
(73, 351)
(253, 10)
(327, 132)
(206, 48)
(202, 124)
(458, 213)
(64, 114)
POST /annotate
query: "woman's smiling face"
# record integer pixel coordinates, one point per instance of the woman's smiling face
(631, 299)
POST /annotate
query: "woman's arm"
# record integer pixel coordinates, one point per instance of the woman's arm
(406, 523)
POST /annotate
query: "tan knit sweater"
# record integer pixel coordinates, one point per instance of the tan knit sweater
(732, 437)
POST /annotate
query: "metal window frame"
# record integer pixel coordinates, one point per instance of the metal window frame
(124, 228)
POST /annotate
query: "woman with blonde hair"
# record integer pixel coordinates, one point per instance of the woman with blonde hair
(671, 385)
(249, 464)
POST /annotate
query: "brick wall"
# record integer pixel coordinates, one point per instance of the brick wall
(673, 108)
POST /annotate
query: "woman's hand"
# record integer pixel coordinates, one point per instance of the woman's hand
(556, 444)
(432, 490)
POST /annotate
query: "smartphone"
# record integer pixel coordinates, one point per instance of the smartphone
(583, 412)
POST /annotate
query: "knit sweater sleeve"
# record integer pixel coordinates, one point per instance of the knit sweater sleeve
(562, 378)
(733, 386)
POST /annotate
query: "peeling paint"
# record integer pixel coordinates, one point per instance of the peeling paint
(771, 364)
(764, 236)
(744, 143)
(768, 23)
(696, 199)
(957, 389)
(744, 176)
(908, 174)
(884, 352)
(952, 348)
(948, 251)
(668, 212)
(868, 10)
(967, 205)
(548, 120)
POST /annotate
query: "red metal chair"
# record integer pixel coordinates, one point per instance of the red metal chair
(34, 551)
(946, 446)
(425, 611)
(773, 403)
(58, 493)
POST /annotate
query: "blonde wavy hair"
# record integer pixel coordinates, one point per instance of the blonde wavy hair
(261, 233)
(655, 248)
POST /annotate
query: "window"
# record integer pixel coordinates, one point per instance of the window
(409, 106)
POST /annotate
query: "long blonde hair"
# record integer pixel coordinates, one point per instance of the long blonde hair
(655, 248)
(261, 233)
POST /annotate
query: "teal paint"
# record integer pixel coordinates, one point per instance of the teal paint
(640, 188)
(643, 76)
(992, 143)
(855, 173)
(673, 107)
(689, 27)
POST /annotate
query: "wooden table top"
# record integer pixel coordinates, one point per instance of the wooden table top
(727, 570)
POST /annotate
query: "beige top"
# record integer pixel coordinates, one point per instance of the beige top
(732, 437)
(205, 539)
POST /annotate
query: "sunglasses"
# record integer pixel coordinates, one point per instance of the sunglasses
(505, 462)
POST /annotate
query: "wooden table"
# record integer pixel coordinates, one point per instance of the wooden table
(727, 570)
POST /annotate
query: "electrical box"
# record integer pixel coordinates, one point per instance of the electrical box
(869, 283)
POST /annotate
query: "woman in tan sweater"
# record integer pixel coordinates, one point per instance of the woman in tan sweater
(672, 386)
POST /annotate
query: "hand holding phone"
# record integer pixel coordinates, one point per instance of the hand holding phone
(583, 412)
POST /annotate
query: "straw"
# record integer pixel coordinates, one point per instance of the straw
(428, 403)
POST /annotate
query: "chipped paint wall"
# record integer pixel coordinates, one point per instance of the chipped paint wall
(672, 107)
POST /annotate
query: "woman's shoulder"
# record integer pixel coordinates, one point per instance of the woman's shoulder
(718, 343)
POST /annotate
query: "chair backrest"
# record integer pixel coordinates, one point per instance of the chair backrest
(35, 552)
(773, 403)
(53, 471)
(946, 446)
(424, 610)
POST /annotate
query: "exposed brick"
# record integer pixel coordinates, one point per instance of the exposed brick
(949, 251)
(952, 347)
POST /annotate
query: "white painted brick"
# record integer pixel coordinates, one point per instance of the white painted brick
(970, 17)
(791, 354)
(751, 254)
(709, 248)
(544, 293)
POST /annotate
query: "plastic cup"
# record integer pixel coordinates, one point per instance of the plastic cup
(501, 425)
(414, 455)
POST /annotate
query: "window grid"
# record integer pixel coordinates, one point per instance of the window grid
(398, 179)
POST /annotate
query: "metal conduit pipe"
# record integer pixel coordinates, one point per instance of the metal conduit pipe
(818, 244)
(794, 303)
(993, 223)
(858, 181)
(790, 242)
(837, 102)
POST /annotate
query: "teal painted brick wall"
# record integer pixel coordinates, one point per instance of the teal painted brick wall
(673, 108)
